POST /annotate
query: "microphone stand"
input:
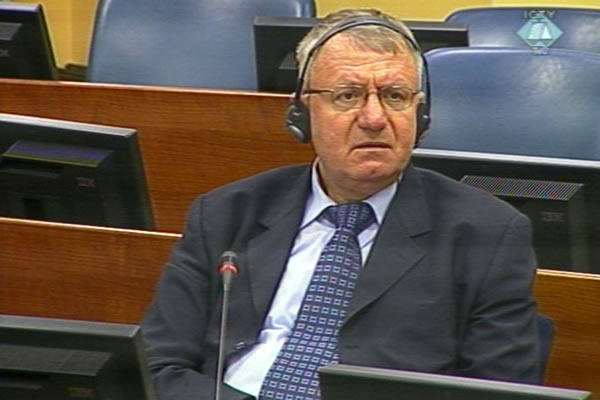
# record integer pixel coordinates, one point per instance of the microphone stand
(220, 361)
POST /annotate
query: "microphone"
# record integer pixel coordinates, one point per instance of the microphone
(227, 268)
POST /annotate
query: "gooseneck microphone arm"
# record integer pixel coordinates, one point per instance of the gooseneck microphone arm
(227, 268)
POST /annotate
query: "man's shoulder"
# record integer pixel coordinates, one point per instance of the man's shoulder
(282, 177)
(262, 190)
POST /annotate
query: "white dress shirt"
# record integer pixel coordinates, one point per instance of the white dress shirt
(247, 373)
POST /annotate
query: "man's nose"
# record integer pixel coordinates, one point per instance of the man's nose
(372, 115)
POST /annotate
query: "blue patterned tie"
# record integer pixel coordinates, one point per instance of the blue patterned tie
(313, 340)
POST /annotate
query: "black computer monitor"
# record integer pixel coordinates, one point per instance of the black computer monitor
(25, 47)
(351, 382)
(72, 172)
(560, 196)
(276, 39)
(59, 359)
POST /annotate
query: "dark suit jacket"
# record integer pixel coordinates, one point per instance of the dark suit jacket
(446, 288)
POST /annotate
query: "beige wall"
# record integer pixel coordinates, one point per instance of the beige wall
(549, 3)
(414, 9)
(70, 21)
(82, 12)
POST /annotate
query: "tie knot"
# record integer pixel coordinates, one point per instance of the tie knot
(354, 217)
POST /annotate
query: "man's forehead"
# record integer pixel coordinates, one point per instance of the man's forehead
(343, 53)
(343, 44)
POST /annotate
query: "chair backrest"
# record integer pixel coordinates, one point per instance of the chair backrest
(510, 26)
(545, 327)
(509, 100)
(195, 43)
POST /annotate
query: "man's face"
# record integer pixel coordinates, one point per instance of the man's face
(371, 145)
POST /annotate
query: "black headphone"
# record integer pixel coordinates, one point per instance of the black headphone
(297, 118)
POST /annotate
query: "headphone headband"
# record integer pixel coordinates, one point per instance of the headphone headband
(343, 26)
(298, 117)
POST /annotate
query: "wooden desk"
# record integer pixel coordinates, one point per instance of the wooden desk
(78, 272)
(191, 140)
(572, 300)
(105, 274)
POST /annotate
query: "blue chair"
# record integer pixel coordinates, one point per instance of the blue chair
(509, 100)
(194, 43)
(545, 327)
(499, 26)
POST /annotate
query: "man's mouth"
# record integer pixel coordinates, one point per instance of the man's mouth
(372, 145)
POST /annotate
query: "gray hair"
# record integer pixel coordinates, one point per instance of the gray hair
(373, 37)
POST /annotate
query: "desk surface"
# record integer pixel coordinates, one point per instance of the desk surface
(79, 272)
(191, 140)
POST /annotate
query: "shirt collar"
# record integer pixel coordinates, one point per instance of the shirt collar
(318, 200)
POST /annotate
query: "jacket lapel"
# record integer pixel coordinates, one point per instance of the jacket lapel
(269, 249)
(394, 251)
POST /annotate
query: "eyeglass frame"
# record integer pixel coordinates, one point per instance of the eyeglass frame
(365, 97)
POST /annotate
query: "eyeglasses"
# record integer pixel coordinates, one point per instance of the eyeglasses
(346, 98)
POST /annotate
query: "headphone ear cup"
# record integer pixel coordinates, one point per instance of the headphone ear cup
(297, 120)
(423, 120)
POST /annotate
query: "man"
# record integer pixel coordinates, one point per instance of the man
(443, 271)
